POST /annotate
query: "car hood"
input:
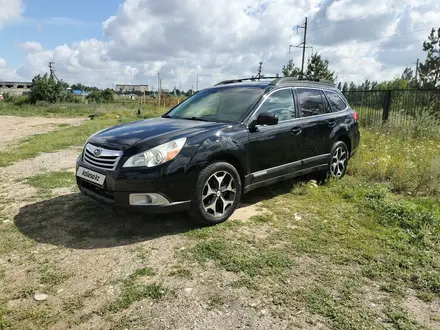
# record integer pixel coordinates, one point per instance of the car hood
(157, 130)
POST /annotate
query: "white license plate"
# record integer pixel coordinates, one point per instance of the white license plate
(90, 175)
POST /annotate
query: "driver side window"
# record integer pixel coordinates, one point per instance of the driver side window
(281, 104)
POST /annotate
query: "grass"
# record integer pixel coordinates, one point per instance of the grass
(51, 275)
(76, 109)
(47, 181)
(377, 231)
(66, 137)
(131, 290)
(347, 254)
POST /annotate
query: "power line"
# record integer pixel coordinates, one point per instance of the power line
(358, 17)
(393, 35)
(392, 44)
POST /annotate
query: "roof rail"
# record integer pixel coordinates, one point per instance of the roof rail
(284, 80)
(224, 82)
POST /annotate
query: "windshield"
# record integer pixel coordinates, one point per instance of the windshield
(227, 104)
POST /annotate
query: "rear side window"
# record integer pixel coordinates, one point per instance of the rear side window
(336, 102)
(311, 102)
(280, 103)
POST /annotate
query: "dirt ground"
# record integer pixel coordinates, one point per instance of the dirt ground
(13, 128)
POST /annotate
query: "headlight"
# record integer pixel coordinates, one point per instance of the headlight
(157, 155)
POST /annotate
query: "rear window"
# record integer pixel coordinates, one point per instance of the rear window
(336, 102)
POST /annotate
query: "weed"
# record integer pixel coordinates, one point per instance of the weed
(132, 291)
(51, 275)
(180, 271)
(47, 181)
(240, 258)
(143, 272)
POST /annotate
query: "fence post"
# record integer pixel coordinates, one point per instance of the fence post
(386, 106)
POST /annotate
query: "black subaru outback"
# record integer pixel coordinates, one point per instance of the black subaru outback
(220, 143)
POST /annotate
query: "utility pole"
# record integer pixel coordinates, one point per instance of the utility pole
(304, 46)
(197, 83)
(417, 69)
(52, 70)
(259, 71)
(158, 86)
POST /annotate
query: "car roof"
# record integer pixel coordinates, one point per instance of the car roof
(274, 82)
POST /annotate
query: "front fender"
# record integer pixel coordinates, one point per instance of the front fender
(216, 147)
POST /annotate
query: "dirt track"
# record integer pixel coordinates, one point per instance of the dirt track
(13, 128)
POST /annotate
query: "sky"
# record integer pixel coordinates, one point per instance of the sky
(108, 42)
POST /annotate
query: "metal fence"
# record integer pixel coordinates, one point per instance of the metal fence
(398, 107)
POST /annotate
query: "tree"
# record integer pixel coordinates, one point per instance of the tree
(340, 86)
(345, 87)
(430, 69)
(352, 86)
(46, 88)
(290, 70)
(408, 74)
(317, 68)
(98, 96)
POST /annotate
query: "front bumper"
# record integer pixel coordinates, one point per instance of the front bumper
(177, 188)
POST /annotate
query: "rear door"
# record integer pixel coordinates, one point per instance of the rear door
(317, 124)
(272, 148)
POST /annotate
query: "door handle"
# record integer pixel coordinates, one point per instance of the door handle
(296, 130)
(332, 123)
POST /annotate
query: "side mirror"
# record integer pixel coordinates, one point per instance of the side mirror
(265, 118)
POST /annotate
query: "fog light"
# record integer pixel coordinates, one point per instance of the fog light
(151, 199)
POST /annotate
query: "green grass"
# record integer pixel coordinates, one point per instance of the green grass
(77, 110)
(51, 275)
(376, 230)
(48, 181)
(131, 290)
(257, 261)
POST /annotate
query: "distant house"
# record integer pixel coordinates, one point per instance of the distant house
(78, 92)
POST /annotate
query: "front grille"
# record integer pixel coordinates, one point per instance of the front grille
(104, 159)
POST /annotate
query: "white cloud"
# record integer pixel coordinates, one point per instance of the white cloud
(10, 10)
(217, 40)
(31, 47)
(3, 63)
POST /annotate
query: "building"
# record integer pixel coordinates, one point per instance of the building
(131, 88)
(15, 88)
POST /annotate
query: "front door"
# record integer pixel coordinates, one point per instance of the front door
(274, 149)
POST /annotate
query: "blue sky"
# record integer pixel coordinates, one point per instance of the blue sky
(53, 23)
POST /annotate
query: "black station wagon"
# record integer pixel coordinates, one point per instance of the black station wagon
(220, 143)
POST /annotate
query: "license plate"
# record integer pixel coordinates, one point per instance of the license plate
(90, 175)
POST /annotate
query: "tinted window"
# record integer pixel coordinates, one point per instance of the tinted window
(226, 104)
(335, 101)
(281, 104)
(311, 102)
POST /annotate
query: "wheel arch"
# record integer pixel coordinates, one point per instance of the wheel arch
(231, 159)
(345, 138)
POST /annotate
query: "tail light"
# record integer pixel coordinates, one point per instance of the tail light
(355, 115)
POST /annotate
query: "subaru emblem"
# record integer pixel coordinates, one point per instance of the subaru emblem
(97, 152)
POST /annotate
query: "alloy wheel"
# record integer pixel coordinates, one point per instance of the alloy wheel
(339, 161)
(219, 193)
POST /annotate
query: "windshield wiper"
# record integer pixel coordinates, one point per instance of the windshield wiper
(167, 116)
(195, 118)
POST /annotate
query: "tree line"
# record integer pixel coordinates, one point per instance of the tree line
(428, 76)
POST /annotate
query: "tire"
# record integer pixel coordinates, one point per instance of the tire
(338, 160)
(208, 203)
